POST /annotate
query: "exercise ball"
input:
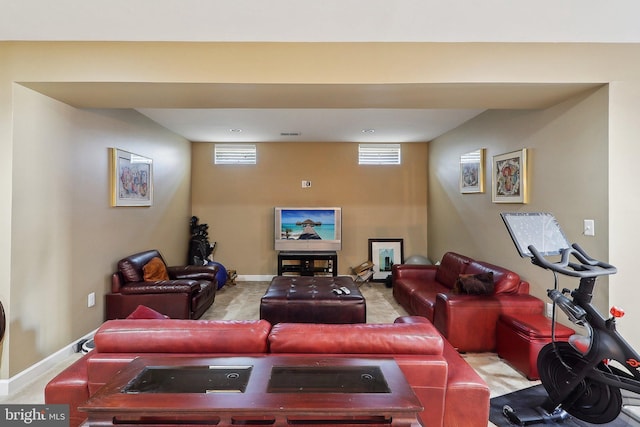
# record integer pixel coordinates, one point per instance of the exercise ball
(417, 260)
(221, 275)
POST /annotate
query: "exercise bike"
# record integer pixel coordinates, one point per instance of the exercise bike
(584, 376)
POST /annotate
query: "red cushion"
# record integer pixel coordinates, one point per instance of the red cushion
(364, 338)
(535, 326)
(451, 266)
(144, 312)
(182, 336)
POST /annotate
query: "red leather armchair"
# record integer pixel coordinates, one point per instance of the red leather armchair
(186, 294)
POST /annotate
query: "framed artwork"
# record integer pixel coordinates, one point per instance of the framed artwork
(384, 253)
(509, 177)
(131, 179)
(472, 172)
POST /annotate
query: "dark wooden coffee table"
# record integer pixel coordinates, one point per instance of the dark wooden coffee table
(269, 390)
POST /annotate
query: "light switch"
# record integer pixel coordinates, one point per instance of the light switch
(589, 227)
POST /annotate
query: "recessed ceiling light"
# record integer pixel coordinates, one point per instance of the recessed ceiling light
(236, 130)
(368, 130)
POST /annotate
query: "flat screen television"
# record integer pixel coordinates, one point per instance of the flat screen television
(308, 228)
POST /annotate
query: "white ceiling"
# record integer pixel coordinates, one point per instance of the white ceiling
(335, 125)
(408, 118)
(591, 21)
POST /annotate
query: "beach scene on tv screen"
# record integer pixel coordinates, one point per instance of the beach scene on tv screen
(312, 224)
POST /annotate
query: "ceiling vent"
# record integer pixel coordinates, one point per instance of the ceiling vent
(290, 133)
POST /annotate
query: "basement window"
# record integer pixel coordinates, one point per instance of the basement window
(234, 154)
(379, 154)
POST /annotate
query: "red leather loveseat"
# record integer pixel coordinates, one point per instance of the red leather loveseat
(450, 391)
(468, 322)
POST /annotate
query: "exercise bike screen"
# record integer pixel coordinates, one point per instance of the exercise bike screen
(539, 229)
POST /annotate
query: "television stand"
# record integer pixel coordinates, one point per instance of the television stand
(307, 263)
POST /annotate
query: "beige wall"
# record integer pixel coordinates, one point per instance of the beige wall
(285, 63)
(377, 201)
(624, 202)
(66, 238)
(6, 172)
(568, 176)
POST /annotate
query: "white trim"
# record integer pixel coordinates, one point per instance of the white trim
(33, 372)
(255, 277)
(268, 277)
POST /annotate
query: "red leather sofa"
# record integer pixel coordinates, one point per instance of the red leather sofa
(468, 322)
(186, 293)
(451, 392)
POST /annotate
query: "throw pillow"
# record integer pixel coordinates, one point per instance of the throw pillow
(155, 270)
(144, 312)
(474, 284)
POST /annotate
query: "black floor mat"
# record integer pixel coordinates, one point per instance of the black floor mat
(526, 401)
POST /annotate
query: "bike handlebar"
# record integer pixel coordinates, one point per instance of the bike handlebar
(587, 266)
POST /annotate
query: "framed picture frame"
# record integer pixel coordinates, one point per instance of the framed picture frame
(509, 178)
(131, 179)
(472, 172)
(384, 253)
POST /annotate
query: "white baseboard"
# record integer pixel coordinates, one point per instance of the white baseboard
(255, 277)
(267, 277)
(18, 381)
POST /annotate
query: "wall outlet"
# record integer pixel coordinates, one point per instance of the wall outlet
(306, 184)
(549, 309)
(91, 299)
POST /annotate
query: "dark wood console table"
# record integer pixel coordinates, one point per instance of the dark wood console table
(269, 390)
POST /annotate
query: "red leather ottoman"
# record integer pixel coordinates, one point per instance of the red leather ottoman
(519, 339)
(306, 299)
